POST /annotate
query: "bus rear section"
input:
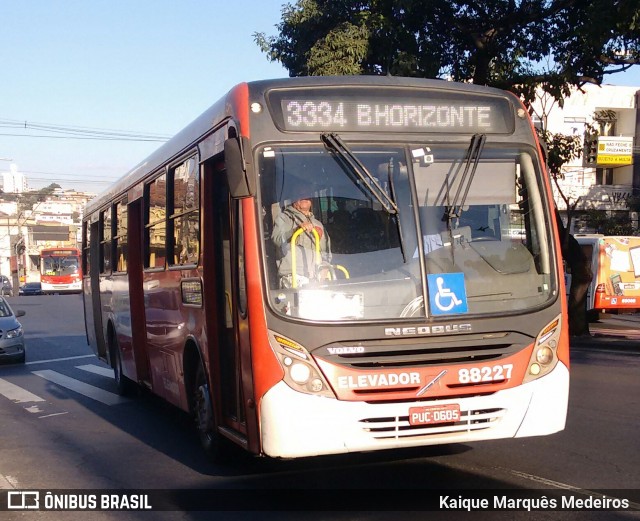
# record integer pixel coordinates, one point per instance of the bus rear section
(615, 264)
(60, 270)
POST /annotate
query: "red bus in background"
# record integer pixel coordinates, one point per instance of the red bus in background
(428, 321)
(60, 270)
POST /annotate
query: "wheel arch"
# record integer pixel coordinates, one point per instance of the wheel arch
(112, 342)
(192, 357)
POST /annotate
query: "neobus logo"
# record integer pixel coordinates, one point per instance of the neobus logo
(427, 330)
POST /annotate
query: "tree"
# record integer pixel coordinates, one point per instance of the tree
(517, 45)
(609, 225)
(561, 149)
(514, 45)
(27, 200)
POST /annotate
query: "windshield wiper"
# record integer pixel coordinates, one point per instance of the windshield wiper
(454, 208)
(333, 142)
(396, 216)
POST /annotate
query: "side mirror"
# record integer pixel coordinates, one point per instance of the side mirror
(20, 312)
(239, 167)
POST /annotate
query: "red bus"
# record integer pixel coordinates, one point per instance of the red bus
(405, 313)
(60, 270)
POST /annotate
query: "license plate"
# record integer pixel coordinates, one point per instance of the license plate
(433, 414)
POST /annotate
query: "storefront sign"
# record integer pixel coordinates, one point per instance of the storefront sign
(615, 151)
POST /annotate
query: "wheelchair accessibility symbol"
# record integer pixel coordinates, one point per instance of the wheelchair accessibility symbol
(447, 294)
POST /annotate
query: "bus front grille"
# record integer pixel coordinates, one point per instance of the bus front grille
(385, 428)
(423, 352)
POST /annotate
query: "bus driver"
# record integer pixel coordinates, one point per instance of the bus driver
(297, 216)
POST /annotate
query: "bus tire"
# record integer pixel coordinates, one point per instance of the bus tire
(593, 315)
(211, 440)
(124, 385)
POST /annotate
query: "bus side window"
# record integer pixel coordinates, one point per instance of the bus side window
(121, 237)
(155, 222)
(86, 248)
(185, 213)
(105, 241)
(271, 253)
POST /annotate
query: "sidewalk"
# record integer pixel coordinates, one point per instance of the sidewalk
(614, 331)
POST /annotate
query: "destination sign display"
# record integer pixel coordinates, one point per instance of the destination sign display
(55, 253)
(399, 111)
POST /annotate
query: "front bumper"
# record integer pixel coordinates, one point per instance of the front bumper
(12, 353)
(296, 425)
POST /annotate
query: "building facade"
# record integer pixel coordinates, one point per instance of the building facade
(31, 221)
(607, 177)
(13, 181)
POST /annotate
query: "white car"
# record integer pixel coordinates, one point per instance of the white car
(12, 346)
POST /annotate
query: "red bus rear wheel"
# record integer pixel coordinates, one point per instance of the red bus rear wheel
(210, 439)
(124, 385)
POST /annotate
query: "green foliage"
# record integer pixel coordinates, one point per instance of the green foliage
(340, 52)
(561, 149)
(634, 203)
(614, 224)
(514, 45)
(27, 200)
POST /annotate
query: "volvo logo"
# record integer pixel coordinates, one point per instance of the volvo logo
(427, 330)
(347, 350)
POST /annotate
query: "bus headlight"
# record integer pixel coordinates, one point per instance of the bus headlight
(544, 355)
(300, 370)
(300, 373)
(544, 358)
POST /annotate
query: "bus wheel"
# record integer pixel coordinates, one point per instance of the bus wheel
(124, 385)
(593, 315)
(210, 439)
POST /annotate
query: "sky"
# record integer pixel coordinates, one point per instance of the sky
(142, 67)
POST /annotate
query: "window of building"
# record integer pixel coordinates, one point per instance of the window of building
(574, 126)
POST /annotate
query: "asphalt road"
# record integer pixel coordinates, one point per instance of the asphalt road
(64, 428)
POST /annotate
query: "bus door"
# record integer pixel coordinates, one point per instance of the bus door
(226, 315)
(137, 315)
(96, 300)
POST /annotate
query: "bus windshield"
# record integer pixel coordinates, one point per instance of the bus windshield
(59, 265)
(484, 247)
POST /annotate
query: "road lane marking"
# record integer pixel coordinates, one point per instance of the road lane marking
(545, 481)
(59, 359)
(564, 486)
(90, 391)
(7, 482)
(96, 369)
(52, 414)
(17, 394)
(31, 335)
